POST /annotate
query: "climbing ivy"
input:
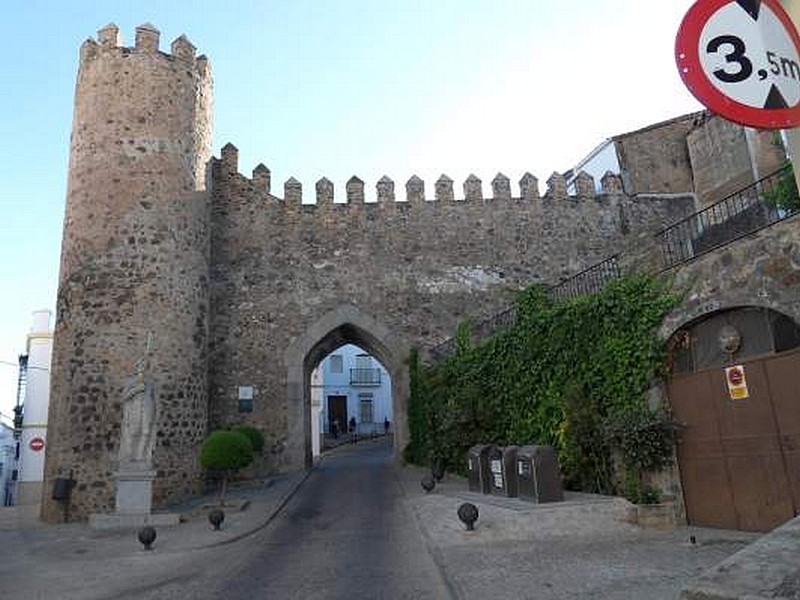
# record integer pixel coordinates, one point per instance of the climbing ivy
(783, 194)
(570, 374)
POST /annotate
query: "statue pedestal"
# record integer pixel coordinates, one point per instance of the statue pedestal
(134, 492)
(134, 501)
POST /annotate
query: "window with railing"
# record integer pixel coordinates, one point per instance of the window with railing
(363, 377)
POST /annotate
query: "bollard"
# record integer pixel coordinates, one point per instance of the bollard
(147, 535)
(468, 513)
(216, 517)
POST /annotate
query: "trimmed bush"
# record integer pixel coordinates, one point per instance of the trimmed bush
(254, 435)
(226, 452)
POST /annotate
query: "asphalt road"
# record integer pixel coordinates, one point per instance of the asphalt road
(346, 533)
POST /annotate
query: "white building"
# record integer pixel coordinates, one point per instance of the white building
(603, 159)
(8, 447)
(349, 384)
(34, 425)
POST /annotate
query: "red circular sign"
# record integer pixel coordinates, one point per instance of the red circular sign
(735, 376)
(741, 59)
(36, 444)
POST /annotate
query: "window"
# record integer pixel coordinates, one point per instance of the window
(336, 364)
(245, 398)
(363, 361)
(365, 408)
(760, 332)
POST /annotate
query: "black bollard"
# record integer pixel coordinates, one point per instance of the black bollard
(216, 517)
(437, 469)
(427, 483)
(468, 513)
(147, 535)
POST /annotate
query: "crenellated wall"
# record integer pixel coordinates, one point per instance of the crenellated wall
(418, 265)
(243, 287)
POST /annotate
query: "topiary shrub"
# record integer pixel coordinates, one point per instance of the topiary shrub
(226, 452)
(254, 435)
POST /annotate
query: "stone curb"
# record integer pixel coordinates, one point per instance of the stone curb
(283, 501)
(764, 570)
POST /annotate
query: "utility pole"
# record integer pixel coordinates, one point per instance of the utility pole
(22, 378)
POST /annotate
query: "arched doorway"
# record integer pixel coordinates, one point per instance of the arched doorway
(735, 393)
(351, 399)
(345, 325)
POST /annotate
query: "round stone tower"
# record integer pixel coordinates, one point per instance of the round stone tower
(134, 264)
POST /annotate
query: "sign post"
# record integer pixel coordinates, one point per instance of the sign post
(741, 59)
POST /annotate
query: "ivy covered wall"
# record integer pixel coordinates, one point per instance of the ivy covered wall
(570, 374)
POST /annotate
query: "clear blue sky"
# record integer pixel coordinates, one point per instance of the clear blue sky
(337, 88)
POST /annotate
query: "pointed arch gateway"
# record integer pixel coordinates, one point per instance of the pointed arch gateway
(344, 325)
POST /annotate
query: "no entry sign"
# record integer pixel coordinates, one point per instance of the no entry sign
(741, 59)
(36, 444)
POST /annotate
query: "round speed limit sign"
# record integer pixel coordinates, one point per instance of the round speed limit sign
(741, 59)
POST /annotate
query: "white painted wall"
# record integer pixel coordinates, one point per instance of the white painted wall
(316, 411)
(339, 384)
(37, 396)
(7, 448)
(603, 158)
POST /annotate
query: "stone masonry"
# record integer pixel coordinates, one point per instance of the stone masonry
(243, 287)
(134, 260)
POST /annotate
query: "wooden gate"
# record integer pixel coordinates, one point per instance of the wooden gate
(740, 459)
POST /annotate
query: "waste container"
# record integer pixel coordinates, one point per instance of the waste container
(538, 477)
(478, 468)
(503, 469)
(62, 488)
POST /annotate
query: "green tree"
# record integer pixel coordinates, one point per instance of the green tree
(226, 452)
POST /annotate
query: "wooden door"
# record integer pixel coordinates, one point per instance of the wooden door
(783, 373)
(337, 413)
(740, 459)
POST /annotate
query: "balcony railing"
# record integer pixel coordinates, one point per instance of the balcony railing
(365, 377)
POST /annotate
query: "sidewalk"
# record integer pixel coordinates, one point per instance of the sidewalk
(579, 548)
(28, 546)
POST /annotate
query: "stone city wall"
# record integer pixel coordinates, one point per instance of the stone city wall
(417, 265)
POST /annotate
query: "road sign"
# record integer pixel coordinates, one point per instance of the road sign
(741, 59)
(36, 444)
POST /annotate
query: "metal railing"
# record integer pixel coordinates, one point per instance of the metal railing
(588, 281)
(365, 377)
(735, 216)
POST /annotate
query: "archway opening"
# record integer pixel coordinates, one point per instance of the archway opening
(346, 326)
(733, 394)
(351, 399)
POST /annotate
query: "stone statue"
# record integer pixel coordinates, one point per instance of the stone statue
(138, 432)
